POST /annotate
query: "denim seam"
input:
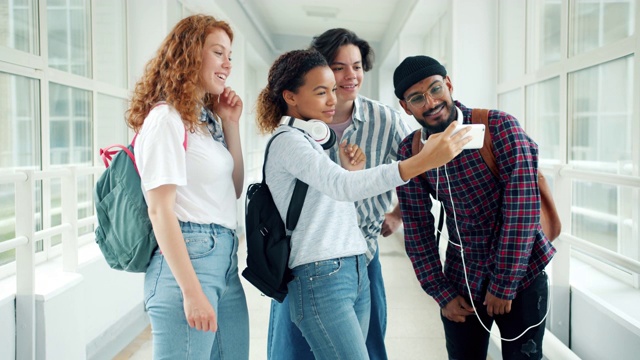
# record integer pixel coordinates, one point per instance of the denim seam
(316, 316)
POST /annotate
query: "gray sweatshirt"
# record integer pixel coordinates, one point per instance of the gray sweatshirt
(328, 225)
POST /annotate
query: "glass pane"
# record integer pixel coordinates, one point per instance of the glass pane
(110, 42)
(601, 135)
(55, 208)
(85, 201)
(110, 121)
(603, 214)
(69, 37)
(7, 220)
(511, 103)
(511, 36)
(543, 117)
(70, 125)
(18, 25)
(544, 33)
(598, 23)
(19, 122)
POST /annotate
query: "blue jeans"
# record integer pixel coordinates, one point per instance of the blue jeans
(329, 302)
(469, 340)
(378, 322)
(213, 252)
(285, 341)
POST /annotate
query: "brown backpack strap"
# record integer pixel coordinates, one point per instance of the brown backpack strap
(416, 144)
(481, 116)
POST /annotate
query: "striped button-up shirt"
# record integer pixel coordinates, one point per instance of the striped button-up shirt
(378, 130)
(498, 220)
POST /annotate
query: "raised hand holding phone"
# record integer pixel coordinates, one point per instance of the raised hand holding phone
(476, 133)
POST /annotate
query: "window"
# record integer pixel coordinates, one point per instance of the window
(69, 36)
(601, 107)
(596, 23)
(110, 120)
(71, 131)
(511, 103)
(543, 118)
(18, 25)
(111, 42)
(543, 45)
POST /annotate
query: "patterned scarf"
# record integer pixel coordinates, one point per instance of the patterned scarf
(215, 128)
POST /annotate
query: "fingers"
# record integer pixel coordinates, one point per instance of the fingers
(449, 130)
(465, 305)
(203, 322)
(229, 97)
(453, 317)
(354, 152)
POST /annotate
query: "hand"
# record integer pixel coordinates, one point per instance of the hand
(390, 224)
(496, 305)
(457, 309)
(442, 147)
(199, 312)
(229, 106)
(351, 156)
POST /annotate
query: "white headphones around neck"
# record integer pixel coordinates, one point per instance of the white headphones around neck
(318, 130)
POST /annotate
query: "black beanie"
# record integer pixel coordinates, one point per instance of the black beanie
(414, 69)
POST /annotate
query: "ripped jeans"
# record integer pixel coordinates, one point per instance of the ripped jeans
(469, 340)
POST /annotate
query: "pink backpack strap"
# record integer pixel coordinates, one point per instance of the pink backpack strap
(107, 154)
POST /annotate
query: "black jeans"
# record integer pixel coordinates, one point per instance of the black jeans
(469, 340)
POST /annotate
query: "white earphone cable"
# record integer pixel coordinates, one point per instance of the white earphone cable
(464, 267)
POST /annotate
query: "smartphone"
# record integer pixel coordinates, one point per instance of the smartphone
(477, 133)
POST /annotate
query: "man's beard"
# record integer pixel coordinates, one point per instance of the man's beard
(441, 126)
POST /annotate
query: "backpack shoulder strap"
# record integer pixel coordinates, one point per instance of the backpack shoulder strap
(295, 205)
(297, 198)
(481, 116)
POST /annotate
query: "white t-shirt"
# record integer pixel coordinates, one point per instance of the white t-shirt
(205, 192)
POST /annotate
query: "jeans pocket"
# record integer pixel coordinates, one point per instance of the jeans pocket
(199, 244)
(326, 268)
(295, 300)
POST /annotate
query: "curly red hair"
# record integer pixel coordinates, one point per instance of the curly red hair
(173, 75)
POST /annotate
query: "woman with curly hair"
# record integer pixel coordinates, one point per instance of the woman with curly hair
(190, 161)
(328, 297)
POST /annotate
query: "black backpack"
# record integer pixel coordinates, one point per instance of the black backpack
(268, 242)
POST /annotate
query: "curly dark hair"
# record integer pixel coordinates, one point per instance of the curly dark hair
(331, 40)
(173, 75)
(286, 73)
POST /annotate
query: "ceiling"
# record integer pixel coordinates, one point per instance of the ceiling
(289, 24)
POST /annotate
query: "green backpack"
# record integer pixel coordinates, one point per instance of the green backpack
(124, 233)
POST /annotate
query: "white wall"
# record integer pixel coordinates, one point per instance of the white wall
(474, 50)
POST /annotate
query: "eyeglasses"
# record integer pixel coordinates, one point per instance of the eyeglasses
(435, 92)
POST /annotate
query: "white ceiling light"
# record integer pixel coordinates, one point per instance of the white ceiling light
(321, 11)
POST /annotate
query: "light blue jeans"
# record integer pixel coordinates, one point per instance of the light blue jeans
(329, 302)
(213, 252)
(285, 341)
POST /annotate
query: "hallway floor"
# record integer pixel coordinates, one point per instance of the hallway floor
(414, 329)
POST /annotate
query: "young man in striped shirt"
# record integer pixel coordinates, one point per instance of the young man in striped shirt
(378, 130)
(495, 237)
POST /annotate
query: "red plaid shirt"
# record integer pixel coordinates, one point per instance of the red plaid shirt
(499, 221)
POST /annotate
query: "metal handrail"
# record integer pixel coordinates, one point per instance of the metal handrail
(602, 253)
(12, 178)
(604, 178)
(13, 243)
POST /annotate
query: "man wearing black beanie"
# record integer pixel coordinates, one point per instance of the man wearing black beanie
(497, 251)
